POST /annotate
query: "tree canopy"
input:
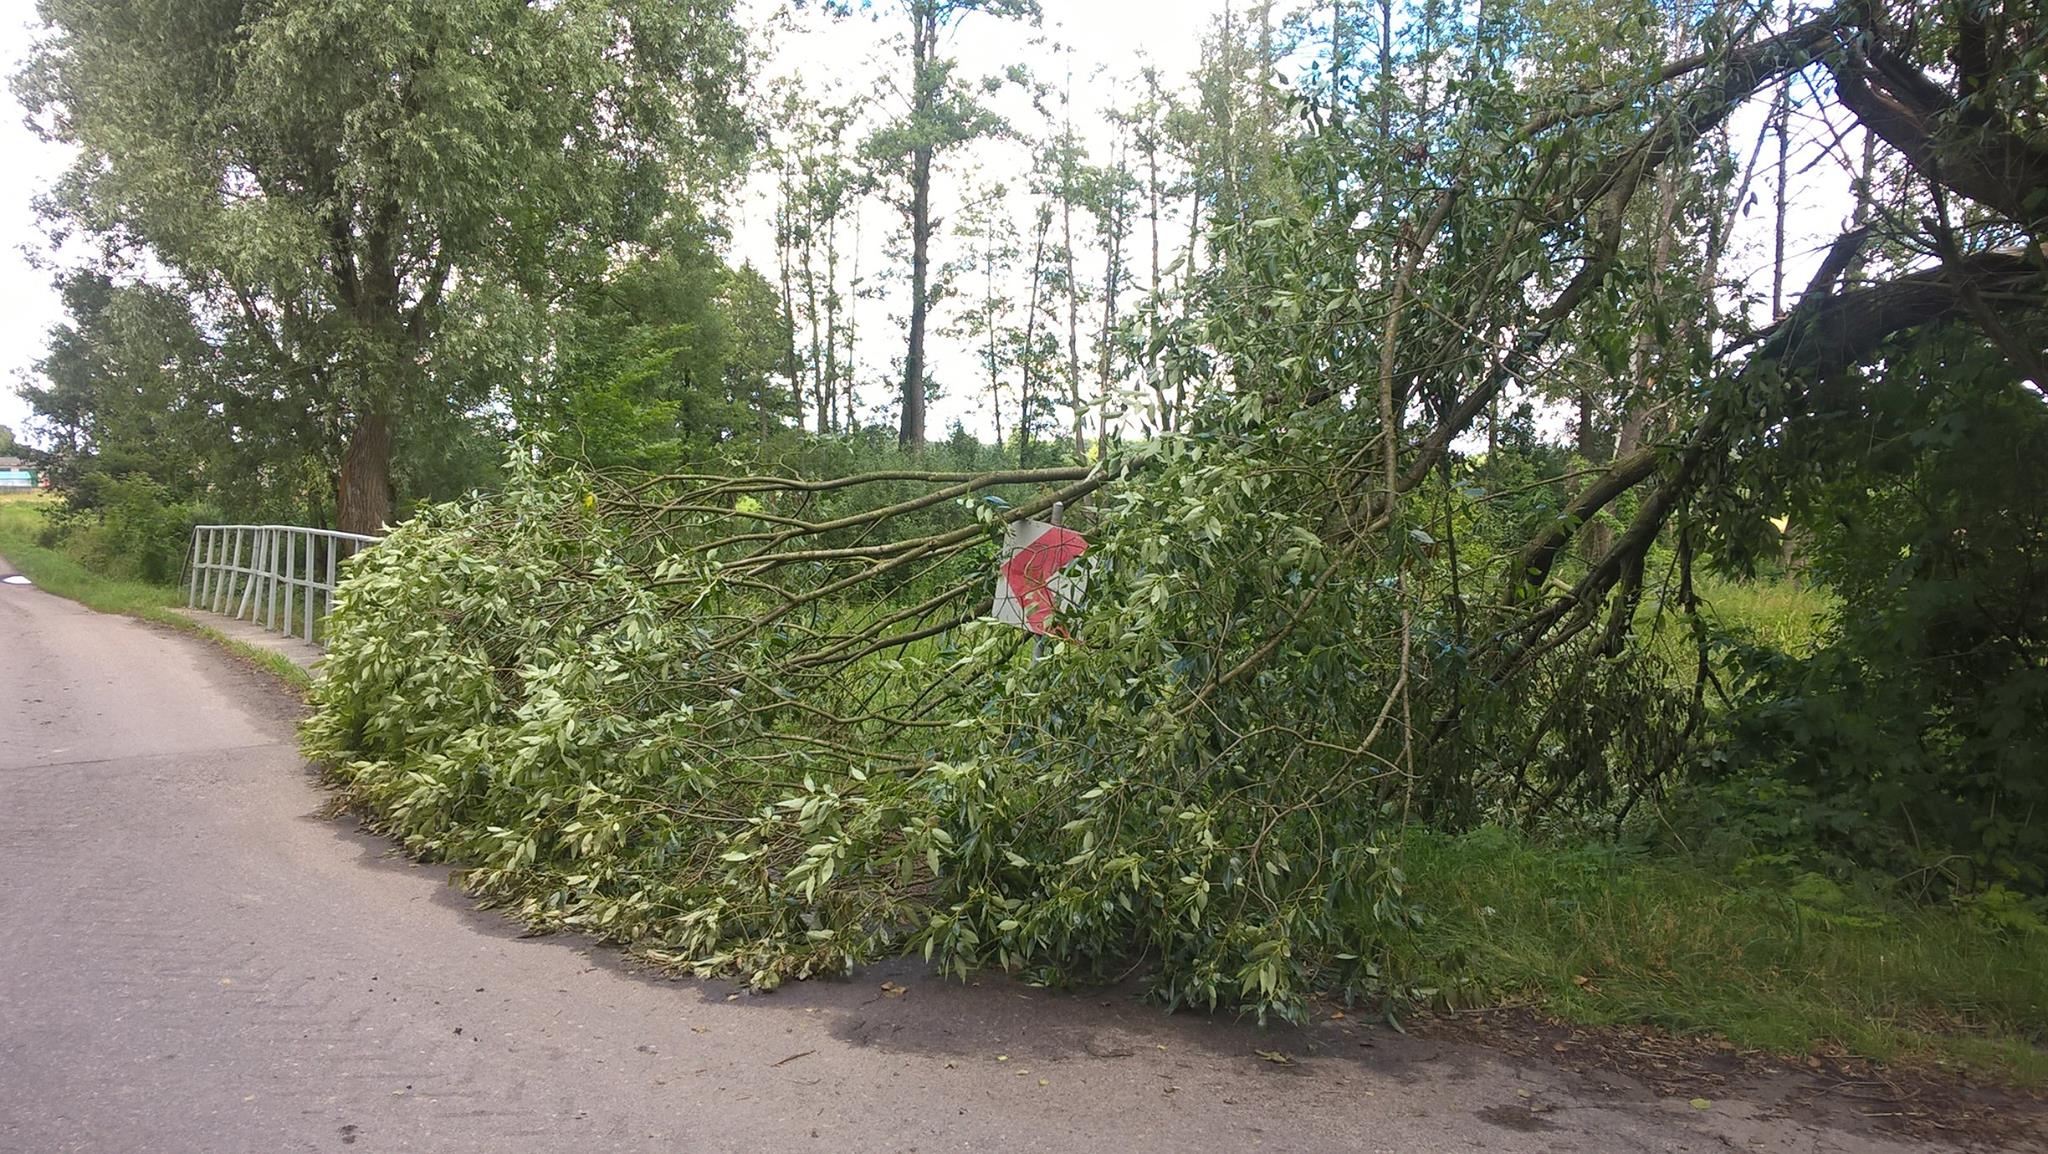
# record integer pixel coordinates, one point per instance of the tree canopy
(371, 204)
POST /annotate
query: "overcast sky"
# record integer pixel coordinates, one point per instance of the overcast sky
(28, 305)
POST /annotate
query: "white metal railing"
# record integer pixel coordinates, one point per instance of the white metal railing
(279, 575)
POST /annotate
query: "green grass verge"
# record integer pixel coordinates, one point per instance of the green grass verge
(22, 518)
(1598, 936)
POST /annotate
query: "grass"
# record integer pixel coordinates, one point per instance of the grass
(1601, 937)
(1780, 613)
(1776, 612)
(22, 518)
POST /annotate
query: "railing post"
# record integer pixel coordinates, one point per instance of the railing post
(192, 571)
(270, 568)
(231, 556)
(333, 546)
(247, 604)
(270, 579)
(307, 607)
(291, 572)
(222, 584)
(238, 577)
(205, 571)
(245, 572)
(245, 569)
(213, 550)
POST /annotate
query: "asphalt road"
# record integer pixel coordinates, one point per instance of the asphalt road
(194, 957)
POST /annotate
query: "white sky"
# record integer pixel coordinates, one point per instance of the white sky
(28, 303)
(1109, 40)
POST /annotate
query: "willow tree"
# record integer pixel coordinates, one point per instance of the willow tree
(371, 195)
(797, 743)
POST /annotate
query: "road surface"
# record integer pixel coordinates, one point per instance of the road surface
(195, 957)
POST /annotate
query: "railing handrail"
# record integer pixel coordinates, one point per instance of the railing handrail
(365, 538)
(272, 574)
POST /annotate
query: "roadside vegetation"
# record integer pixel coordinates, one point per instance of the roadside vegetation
(84, 567)
(1788, 962)
(29, 540)
(1493, 595)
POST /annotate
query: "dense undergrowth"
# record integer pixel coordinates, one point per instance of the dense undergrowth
(27, 540)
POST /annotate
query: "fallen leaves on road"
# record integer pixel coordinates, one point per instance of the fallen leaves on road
(1275, 1057)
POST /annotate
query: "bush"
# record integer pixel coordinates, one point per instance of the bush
(1910, 738)
(127, 527)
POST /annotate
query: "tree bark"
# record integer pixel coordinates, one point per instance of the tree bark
(1029, 357)
(783, 227)
(1067, 178)
(924, 33)
(1151, 145)
(363, 503)
(1112, 272)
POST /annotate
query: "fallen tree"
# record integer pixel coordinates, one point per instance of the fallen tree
(761, 725)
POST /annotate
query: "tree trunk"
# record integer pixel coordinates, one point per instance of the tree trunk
(1112, 273)
(988, 313)
(849, 417)
(790, 361)
(828, 385)
(1067, 179)
(363, 503)
(1029, 357)
(817, 365)
(1151, 346)
(910, 437)
(1783, 112)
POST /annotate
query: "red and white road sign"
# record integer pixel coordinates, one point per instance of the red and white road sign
(1030, 586)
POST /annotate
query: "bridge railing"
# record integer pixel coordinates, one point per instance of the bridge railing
(279, 576)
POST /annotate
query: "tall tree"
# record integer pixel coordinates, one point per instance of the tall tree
(357, 189)
(817, 191)
(991, 240)
(127, 386)
(1112, 189)
(674, 357)
(942, 114)
(1069, 190)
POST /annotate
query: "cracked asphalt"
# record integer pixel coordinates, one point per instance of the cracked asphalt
(195, 957)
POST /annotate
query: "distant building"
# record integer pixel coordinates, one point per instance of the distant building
(16, 474)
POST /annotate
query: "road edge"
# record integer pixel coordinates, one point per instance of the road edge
(296, 680)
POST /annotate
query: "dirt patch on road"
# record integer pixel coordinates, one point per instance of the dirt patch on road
(1837, 1091)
